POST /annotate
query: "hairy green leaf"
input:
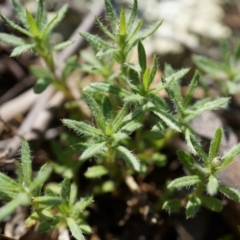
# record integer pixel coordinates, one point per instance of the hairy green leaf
(15, 26)
(189, 163)
(83, 128)
(80, 206)
(229, 157)
(186, 181)
(230, 192)
(40, 179)
(75, 229)
(211, 203)
(21, 200)
(54, 22)
(12, 40)
(142, 57)
(172, 206)
(32, 24)
(128, 157)
(122, 23)
(41, 85)
(26, 163)
(192, 207)
(209, 66)
(41, 18)
(93, 150)
(191, 89)
(133, 15)
(63, 45)
(215, 145)
(96, 172)
(111, 15)
(106, 88)
(212, 186)
(96, 42)
(168, 119)
(20, 12)
(95, 110)
(65, 189)
(48, 200)
(21, 49)
(104, 30)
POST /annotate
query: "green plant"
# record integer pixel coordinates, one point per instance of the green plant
(38, 31)
(129, 118)
(203, 178)
(51, 210)
(226, 73)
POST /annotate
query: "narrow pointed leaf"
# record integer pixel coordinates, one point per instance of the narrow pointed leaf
(230, 192)
(105, 30)
(32, 24)
(48, 200)
(212, 105)
(106, 88)
(54, 22)
(128, 157)
(172, 206)
(229, 157)
(209, 66)
(65, 189)
(21, 49)
(195, 145)
(11, 39)
(111, 15)
(119, 118)
(142, 57)
(42, 84)
(211, 203)
(81, 205)
(133, 76)
(21, 13)
(41, 18)
(135, 30)
(189, 163)
(215, 145)
(46, 226)
(26, 163)
(133, 14)
(185, 182)
(212, 186)
(40, 72)
(75, 229)
(40, 179)
(168, 119)
(136, 113)
(83, 128)
(95, 110)
(94, 41)
(122, 27)
(63, 45)
(150, 31)
(153, 70)
(6, 180)
(16, 27)
(96, 172)
(145, 81)
(92, 151)
(107, 109)
(192, 207)
(131, 127)
(10, 207)
(191, 89)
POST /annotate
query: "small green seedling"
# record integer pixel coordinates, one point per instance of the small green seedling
(203, 178)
